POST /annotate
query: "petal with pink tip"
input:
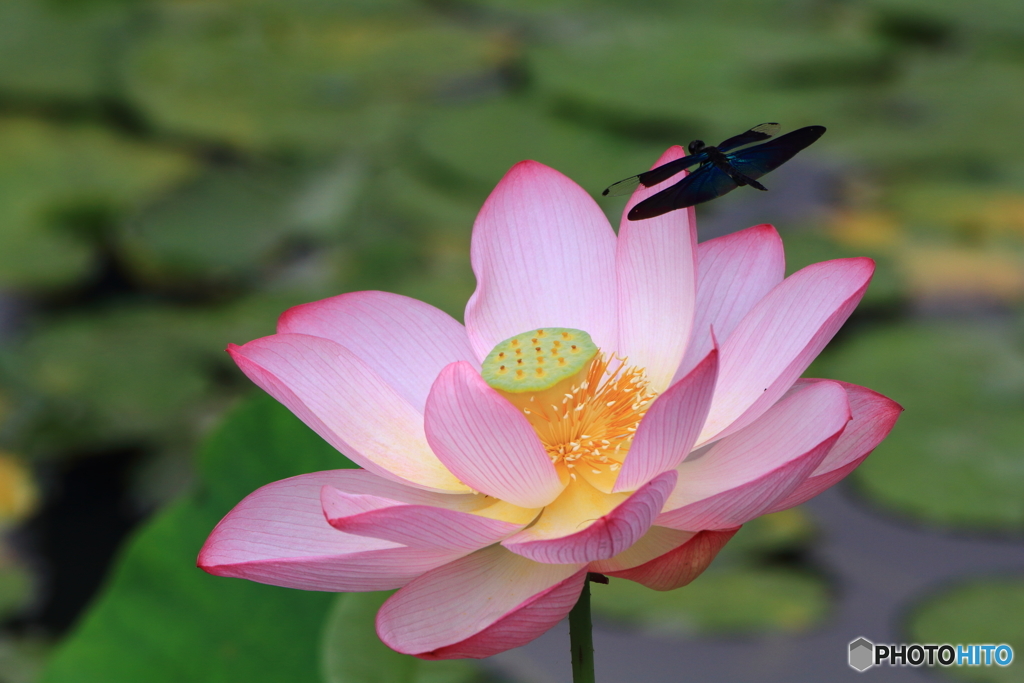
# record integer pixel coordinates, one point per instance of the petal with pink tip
(544, 256)
(656, 269)
(278, 535)
(606, 533)
(403, 340)
(679, 567)
(479, 605)
(742, 476)
(486, 442)
(530, 620)
(348, 404)
(780, 337)
(419, 526)
(670, 428)
(874, 416)
(656, 542)
(734, 272)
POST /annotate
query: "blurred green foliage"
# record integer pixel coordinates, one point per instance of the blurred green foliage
(725, 601)
(175, 173)
(57, 183)
(977, 611)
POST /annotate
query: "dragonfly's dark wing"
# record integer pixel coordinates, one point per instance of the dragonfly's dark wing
(666, 171)
(707, 182)
(755, 134)
(754, 162)
(655, 175)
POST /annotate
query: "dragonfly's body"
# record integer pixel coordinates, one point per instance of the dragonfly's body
(722, 162)
(720, 169)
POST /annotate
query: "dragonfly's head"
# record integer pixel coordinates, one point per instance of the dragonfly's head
(695, 146)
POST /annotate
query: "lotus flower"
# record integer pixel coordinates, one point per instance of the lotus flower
(617, 404)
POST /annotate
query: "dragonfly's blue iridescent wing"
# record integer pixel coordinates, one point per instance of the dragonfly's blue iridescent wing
(654, 176)
(754, 162)
(706, 183)
(755, 134)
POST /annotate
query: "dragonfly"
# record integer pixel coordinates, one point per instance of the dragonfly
(722, 169)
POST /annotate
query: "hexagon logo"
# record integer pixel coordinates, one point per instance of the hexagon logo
(862, 654)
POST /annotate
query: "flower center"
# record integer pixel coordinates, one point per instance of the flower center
(585, 409)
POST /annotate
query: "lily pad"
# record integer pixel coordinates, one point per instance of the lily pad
(418, 244)
(977, 611)
(50, 177)
(635, 69)
(143, 374)
(745, 590)
(124, 376)
(309, 74)
(351, 652)
(59, 49)
(229, 223)
(731, 601)
(955, 458)
(480, 141)
(161, 619)
(903, 111)
(987, 19)
(928, 122)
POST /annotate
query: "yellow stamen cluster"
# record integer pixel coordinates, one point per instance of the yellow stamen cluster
(584, 405)
(592, 427)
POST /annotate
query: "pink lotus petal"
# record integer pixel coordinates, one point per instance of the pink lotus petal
(656, 268)
(604, 537)
(780, 337)
(656, 542)
(734, 272)
(348, 404)
(679, 567)
(544, 256)
(742, 476)
(419, 526)
(670, 428)
(874, 416)
(530, 620)
(479, 605)
(366, 483)
(278, 535)
(403, 340)
(486, 442)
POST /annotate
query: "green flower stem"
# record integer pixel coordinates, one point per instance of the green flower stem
(581, 638)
